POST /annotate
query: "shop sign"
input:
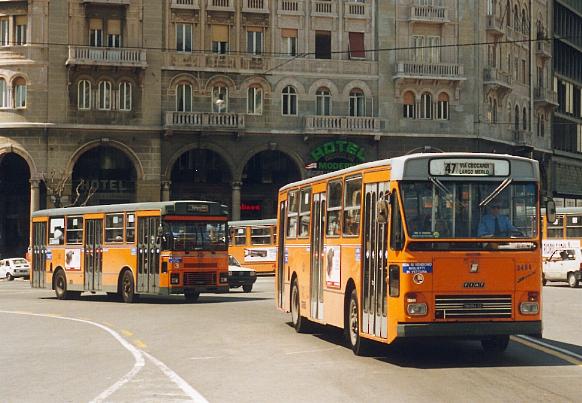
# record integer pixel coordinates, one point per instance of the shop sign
(250, 207)
(109, 185)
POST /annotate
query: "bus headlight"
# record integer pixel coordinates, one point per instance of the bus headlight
(175, 278)
(417, 309)
(223, 278)
(529, 308)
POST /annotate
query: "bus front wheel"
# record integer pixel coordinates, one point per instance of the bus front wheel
(353, 325)
(61, 285)
(495, 344)
(128, 287)
(299, 322)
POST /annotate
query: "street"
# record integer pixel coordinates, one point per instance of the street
(239, 348)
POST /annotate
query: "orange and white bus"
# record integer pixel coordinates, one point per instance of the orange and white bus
(401, 248)
(254, 244)
(564, 232)
(159, 248)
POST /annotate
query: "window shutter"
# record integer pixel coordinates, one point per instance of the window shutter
(288, 33)
(357, 44)
(220, 33)
(95, 23)
(114, 27)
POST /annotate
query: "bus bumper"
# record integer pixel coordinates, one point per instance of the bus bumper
(202, 289)
(469, 329)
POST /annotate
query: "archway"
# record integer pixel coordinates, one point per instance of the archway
(201, 174)
(262, 177)
(108, 172)
(14, 205)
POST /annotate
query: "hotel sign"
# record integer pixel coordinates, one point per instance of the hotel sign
(335, 155)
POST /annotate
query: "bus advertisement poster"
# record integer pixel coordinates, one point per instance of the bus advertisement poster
(260, 254)
(333, 266)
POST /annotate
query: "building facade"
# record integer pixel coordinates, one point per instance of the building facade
(135, 100)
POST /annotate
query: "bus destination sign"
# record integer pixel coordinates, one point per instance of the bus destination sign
(198, 208)
(468, 167)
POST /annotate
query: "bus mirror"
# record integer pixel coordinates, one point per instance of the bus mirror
(383, 209)
(550, 210)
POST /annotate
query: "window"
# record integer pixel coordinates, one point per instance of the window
(433, 54)
(220, 99)
(304, 212)
(84, 95)
(322, 44)
(516, 22)
(489, 110)
(523, 71)
(184, 97)
(574, 227)
(425, 106)
(95, 32)
(125, 96)
(357, 47)
(255, 41)
(3, 94)
(409, 104)
(289, 37)
(494, 110)
(74, 230)
(323, 102)
(184, 37)
(352, 204)
(260, 236)
(57, 231)
(443, 107)
(255, 101)
(114, 227)
(114, 33)
(357, 102)
(104, 96)
(289, 104)
(130, 227)
(524, 27)
(20, 22)
(19, 93)
(334, 206)
(220, 39)
(556, 229)
(425, 48)
(490, 7)
(4, 32)
(524, 119)
(516, 123)
(542, 126)
(292, 211)
(239, 235)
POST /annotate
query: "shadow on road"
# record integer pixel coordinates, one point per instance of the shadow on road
(171, 300)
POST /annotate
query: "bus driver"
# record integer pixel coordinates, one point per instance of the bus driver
(495, 224)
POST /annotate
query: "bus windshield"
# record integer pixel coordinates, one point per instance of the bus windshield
(453, 209)
(194, 235)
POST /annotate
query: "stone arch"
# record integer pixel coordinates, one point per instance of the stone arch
(257, 81)
(323, 83)
(220, 78)
(361, 85)
(292, 154)
(10, 147)
(19, 75)
(184, 77)
(167, 170)
(292, 82)
(133, 157)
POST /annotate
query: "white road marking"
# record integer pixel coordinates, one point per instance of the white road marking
(138, 355)
(552, 347)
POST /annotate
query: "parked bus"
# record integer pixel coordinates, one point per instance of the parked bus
(564, 232)
(161, 248)
(408, 247)
(254, 244)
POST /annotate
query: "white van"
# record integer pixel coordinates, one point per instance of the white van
(564, 265)
(13, 268)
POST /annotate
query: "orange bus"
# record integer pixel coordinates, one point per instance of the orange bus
(127, 250)
(408, 247)
(253, 243)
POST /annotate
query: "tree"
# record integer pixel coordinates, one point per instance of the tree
(55, 183)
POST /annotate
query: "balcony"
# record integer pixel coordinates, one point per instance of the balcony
(429, 14)
(356, 10)
(324, 8)
(290, 7)
(108, 2)
(543, 49)
(204, 120)
(338, 124)
(220, 5)
(494, 26)
(522, 137)
(118, 57)
(429, 64)
(497, 80)
(544, 97)
(256, 6)
(185, 4)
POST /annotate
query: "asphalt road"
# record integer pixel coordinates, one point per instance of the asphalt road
(239, 348)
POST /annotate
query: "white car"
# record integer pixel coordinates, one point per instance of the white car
(14, 268)
(240, 276)
(564, 265)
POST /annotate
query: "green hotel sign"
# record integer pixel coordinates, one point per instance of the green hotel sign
(334, 155)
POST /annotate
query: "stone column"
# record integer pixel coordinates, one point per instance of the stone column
(235, 213)
(34, 194)
(166, 186)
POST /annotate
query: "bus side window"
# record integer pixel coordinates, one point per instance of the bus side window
(304, 212)
(130, 228)
(396, 231)
(57, 231)
(240, 236)
(114, 228)
(334, 205)
(292, 213)
(352, 204)
(74, 230)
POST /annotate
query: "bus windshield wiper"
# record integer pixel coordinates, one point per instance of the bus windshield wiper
(441, 186)
(496, 192)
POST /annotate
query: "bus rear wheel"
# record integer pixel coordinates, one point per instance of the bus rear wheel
(299, 322)
(127, 287)
(495, 344)
(353, 325)
(191, 296)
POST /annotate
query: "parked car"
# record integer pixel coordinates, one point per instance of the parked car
(14, 268)
(564, 265)
(240, 276)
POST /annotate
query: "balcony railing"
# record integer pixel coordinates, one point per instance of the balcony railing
(433, 14)
(120, 57)
(186, 4)
(492, 76)
(356, 10)
(495, 25)
(544, 96)
(325, 8)
(342, 123)
(220, 5)
(429, 63)
(290, 7)
(543, 49)
(204, 120)
(522, 137)
(114, 2)
(256, 6)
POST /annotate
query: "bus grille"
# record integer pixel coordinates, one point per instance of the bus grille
(204, 278)
(472, 306)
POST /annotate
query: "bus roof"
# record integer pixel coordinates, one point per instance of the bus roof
(167, 207)
(402, 167)
(251, 223)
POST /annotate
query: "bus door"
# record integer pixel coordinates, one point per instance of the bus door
(281, 254)
(38, 254)
(93, 254)
(375, 256)
(316, 245)
(148, 265)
